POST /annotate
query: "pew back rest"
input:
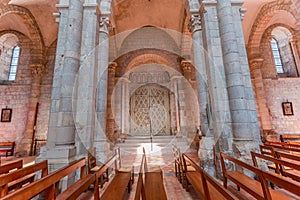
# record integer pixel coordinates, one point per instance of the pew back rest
(8, 148)
(280, 181)
(289, 137)
(21, 173)
(48, 182)
(10, 166)
(240, 181)
(219, 190)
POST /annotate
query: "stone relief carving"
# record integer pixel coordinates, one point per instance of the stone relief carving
(149, 77)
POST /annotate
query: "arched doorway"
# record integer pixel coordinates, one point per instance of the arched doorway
(150, 111)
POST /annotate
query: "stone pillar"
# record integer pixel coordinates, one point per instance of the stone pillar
(189, 107)
(207, 138)
(85, 97)
(201, 75)
(125, 124)
(263, 112)
(110, 121)
(101, 143)
(177, 129)
(27, 142)
(294, 49)
(60, 149)
(241, 99)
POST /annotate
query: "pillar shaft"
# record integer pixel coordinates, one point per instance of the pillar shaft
(244, 117)
(265, 122)
(65, 129)
(29, 135)
(110, 124)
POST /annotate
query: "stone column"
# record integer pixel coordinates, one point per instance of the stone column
(110, 121)
(37, 71)
(125, 124)
(207, 137)
(61, 149)
(293, 43)
(174, 81)
(241, 99)
(102, 147)
(189, 108)
(255, 66)
(85, 97)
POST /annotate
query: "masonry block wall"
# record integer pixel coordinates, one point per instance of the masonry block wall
(16, 95)
(278, 91)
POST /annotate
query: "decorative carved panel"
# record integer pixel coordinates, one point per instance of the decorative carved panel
(150, 111)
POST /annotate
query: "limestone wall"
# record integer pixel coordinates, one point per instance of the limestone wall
(278, 91)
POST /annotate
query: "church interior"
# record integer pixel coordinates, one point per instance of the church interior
(169, 99)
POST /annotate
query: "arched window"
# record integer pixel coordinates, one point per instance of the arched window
(14, 63)
(277, 57)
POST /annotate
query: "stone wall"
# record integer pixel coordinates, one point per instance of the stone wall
(278, 91)
(16, 95)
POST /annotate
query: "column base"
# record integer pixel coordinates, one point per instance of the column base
(206, 155)
(59, 157)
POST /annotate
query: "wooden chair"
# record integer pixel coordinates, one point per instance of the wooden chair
(93, 167)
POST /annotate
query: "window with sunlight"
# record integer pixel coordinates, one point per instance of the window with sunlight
(277, 57)
(14, 63)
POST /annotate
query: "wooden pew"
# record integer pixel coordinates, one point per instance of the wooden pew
(123, 178)
(290, 137)
(154, 187)
(16, 179)
(180, 166)
(258, 189)
(292, 172)
(140, 189)
(79, 187)
(277, 179)
(49, 183)
(283, 144)
(4, 169)
(205, 186)
(93, 167)
(7, 148)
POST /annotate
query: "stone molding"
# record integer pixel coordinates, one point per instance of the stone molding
(112, 66)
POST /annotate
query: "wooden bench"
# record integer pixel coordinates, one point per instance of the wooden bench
(140, 189)
(179, 166)
(292, 172)
(16, 179)
(123, 178)
(50, 182)
(6, 168)
(205, 186)
(279, 180)
(258, 189)
(7, 148)
(93, 167)
(154, 186)
(290, 137)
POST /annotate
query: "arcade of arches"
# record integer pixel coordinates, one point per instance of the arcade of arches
(80, 74)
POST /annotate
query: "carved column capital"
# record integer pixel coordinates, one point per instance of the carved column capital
(186, 66)
(112, 66)
(104, 24)
(37, 70)
(195, 23)
(255, 63)
(242, 13)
